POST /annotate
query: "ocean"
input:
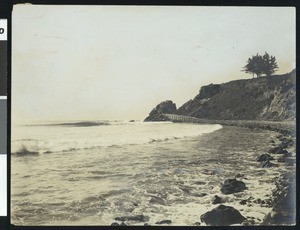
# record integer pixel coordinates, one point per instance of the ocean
(89, 173)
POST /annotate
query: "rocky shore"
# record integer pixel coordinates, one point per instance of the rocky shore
(281, 202)
(266, 103)
(282, 150)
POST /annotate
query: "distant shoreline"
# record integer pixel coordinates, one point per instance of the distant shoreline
(283, 127)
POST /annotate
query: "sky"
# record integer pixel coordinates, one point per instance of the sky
(118, 62)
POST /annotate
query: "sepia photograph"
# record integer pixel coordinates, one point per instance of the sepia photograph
(153, 116)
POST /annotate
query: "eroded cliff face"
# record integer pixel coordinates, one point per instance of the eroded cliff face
(264, 98)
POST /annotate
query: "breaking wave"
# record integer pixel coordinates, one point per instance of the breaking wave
(34, 140)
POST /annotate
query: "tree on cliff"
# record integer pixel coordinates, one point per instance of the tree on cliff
(260, 65)
(270, 64)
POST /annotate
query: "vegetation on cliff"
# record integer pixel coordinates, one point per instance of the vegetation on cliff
(259, 65)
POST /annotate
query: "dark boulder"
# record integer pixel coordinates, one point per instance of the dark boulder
(232, 186)
(277, 150)
(268, 164)
(165, 107)
(114, 224)
(265, 157)
(243, 202)
(164, 222)
(222, 216)
(217, 200)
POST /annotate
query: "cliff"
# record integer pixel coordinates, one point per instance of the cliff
(263, 98)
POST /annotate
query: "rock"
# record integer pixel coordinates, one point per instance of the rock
(217, 200)
(258, 201)
(165, 107)
(265, 157)
(243, 202)
(272, 141)
(164, 222)
(222, 216)
(268, 164)
(232, 186)
(138, 218)
(284, 207)
(114, 224)
(157, 117)
(285, 143)
(277, 150)
(123, 224)
(197, 223)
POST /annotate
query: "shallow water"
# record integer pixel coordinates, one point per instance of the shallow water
(173, 176)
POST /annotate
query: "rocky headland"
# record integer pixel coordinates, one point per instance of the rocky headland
(165, 107)
(264, 98)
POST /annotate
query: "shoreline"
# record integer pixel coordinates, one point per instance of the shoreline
(282, 127)
(284, 206)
